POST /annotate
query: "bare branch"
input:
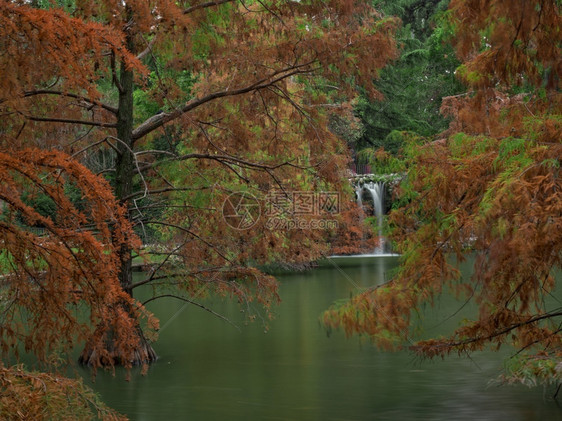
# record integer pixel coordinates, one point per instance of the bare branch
(148, 49)
(155, 152)
(70, 95)
(70, 121)
(194, 235)
(162, 190)
(158, 267)
(225, 159)
(90, 146)
(205, 5)
(230, 167)
(220, 316)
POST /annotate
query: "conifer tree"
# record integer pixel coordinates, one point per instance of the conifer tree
(141, 117)
(489, 189)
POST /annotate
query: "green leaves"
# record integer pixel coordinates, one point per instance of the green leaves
(414, 85)
(531, 370)
(511, 150)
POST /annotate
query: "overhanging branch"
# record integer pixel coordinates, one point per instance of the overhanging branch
(160, 119)
(501, 332)
(188, 301)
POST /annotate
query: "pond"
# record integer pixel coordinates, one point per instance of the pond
(209, 370)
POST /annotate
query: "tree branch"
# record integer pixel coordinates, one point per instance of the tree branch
(70, 121)
(70, 95)
(205, 5)
(158, 267)
(493, 335)
(162, 190)
(191, 233)
(147, 50)
(220, 316)
(224, 159)
(160, 119)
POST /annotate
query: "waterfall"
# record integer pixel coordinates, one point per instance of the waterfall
(377, 191)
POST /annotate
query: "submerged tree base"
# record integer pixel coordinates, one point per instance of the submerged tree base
(141, 354)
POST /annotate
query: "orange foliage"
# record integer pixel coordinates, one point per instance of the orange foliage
(252, 118)
(51, 53)
(37, 396)
(491, 191)
(507, 43)
(62, 277)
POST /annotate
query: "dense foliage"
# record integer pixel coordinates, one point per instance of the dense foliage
(490, 190)
(169, 107)
(415, 83)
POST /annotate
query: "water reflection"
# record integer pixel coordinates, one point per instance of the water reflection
(208, 370)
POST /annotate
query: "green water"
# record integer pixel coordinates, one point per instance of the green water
(209, 370)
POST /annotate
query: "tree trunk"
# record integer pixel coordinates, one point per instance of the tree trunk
(125, 172)
(143, 354)
(125, 164)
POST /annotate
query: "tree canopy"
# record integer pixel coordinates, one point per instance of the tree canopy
(489, 189)
(127, 126)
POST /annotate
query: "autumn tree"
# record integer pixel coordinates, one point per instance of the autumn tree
(59, 270)
(489, 190)
(177, 105)
(60, 283)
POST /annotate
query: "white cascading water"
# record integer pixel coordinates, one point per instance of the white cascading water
(377, 191)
